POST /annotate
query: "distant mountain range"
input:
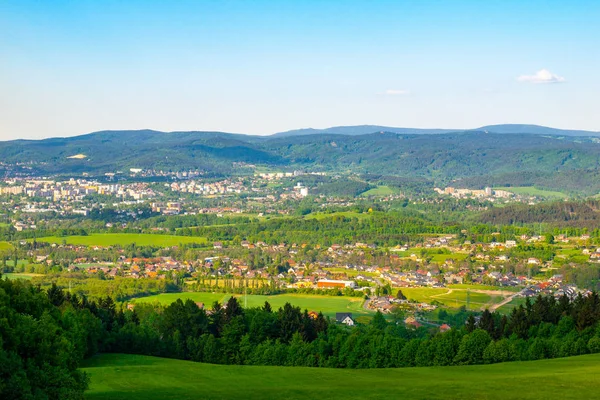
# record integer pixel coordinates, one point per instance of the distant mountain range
(499, 155)
(504, 128)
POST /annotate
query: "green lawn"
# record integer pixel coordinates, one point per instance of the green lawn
(532, 191)
(453, 297)
(123, 239)
(5, 246)
(483, 287)
(11, 263)
(347, 214)
(198, 297)
(11, 275)
(328, 305)
(441, 258)
(348, 271)
(422, 294)
(435, 257)
(378, 191)
(132, 377)
(508, 307)
(458, 298)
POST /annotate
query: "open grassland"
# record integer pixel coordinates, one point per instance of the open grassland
(198, 297)
(473, 299)
(124, 239)
(132, 377)
(346, 214)
(328, 305)
(508, 307)
(11, 263)
(441, 258)
(11, 275)
(379, 191)
(532, 191)
(466, 286)
(433, 254)
(5, 246)
(423, 294)
(348, 271)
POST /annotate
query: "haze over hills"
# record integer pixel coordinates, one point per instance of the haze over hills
(503, 128)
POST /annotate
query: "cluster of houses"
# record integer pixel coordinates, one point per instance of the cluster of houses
(75, 189)
(386, 304)
(153, 268)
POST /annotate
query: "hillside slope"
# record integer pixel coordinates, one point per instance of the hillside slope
(476, 157)
(120, 376)
(501, 128)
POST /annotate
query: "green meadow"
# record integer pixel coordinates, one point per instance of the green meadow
(124, 239)
(133, 377)
(474, 286)
(11, 275)
(455, 298)
(533, 191)
(328, 305)
(379, 191)
(346, 214)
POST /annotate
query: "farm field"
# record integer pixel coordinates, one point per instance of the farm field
(123, 376)
(328, 305)
(123, 239)
(11, 275)
(455, 298)
(533, 191)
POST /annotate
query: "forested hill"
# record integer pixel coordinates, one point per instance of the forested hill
(574, 214)
(504, 128)
(475, 155)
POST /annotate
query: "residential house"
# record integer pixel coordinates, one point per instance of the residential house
(344, 318)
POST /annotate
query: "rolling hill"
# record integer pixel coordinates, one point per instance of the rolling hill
(472, 158)
(503, 128)
(121, 376)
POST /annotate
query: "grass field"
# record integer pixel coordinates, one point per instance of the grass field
(328, 305)
(199, 297)
(457, 297)
(5, 246)
(132, 377)
(532, 191)
(348, 271)
(123, 239)
(483, 287)
(11, 275)
(378, 191)
(347, 214)
(441, 258)
(435, 257)
(508, 307)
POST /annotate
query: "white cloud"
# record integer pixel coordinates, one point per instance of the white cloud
(396, 92)
(542, 76)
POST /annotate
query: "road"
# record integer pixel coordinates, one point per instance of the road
(503, 302)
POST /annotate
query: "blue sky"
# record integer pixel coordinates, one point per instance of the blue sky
(72, 67)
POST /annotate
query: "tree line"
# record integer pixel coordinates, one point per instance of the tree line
(46, 334)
